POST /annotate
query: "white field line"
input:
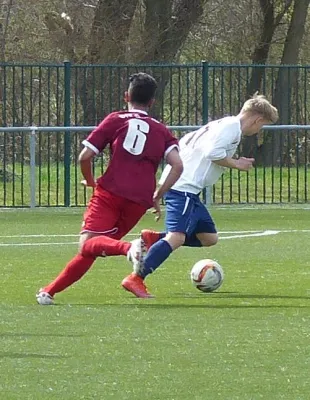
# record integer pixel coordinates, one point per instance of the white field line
(76, 235)
(236, 236)
(264, 233)
(37, 244)
(234, 233)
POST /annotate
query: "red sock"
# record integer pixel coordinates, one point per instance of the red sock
(73, 271)
(104, 246)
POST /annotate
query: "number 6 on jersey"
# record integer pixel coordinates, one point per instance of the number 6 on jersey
(136, 136)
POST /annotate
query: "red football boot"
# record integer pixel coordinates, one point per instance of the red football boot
(149, 237)
(135, 284)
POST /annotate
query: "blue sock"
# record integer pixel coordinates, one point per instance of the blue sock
(156, 255)
(192, 241)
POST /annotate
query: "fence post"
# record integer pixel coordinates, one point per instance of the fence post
(67, 122)
(205, 92)
(207, 193)
(33, 167)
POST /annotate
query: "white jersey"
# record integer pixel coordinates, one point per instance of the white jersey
(214, 141)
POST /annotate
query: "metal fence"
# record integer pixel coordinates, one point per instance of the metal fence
(190, 94)
(37, 172)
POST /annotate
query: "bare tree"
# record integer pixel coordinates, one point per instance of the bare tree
(283, 96)
(5, 14)
(270, 22)
(139, 31)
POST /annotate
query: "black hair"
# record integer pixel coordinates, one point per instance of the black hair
(142, 88)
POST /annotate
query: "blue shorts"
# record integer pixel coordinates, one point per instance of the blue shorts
(185, 213)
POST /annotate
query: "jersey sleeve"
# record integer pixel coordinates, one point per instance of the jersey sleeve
(216, 149)
(102, 135)
(170, 142)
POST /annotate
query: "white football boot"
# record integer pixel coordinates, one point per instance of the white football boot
(44, 298)
(136, 254)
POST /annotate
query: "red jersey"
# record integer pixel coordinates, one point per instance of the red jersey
(138, 144)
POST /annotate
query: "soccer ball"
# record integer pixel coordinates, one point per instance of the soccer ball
(207, 275)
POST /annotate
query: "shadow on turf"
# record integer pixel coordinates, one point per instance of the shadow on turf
(235, 295)
(146, 303)
(30, 355)
(149, 304)
(224, 306)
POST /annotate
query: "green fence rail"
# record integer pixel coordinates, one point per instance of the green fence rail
(190, 94)
(37, 176)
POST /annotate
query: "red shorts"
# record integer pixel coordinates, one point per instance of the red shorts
(111, 215)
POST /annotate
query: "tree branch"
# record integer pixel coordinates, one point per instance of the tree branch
(60, 25)
(279, 17)
(5, 30)
(172, 21)
(110, 29)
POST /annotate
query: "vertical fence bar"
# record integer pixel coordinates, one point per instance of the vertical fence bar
(4, 119)
(58, 136)
(306, 161)
(207, 193)
(22, 95)
(297, 165)
(197, 91)
(205, 92)
(13, 135)
(287, 150)
(67, 142)
(33, 167)
(281, 133)
(306, 136)
(171, 95)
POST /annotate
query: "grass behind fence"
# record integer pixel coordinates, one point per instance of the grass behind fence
(260, 185)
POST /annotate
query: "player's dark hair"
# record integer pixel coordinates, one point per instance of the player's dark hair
(142, 88)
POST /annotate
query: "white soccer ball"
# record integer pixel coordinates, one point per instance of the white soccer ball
(207, 275)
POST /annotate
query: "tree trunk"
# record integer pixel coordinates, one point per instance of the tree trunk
(260, 56)
(165, 27)
(108, 41)
(283, 95)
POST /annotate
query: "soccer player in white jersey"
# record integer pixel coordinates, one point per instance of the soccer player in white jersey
(205, 153)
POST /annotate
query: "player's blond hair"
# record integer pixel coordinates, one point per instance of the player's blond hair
(258, 104)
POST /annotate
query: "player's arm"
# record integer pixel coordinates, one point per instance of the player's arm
(94, 144)
(217, 152)
(176, 168)
(85, 159)
(174, 160)
(242, 163)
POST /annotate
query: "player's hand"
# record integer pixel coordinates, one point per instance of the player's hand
(156, 205)
(244, 164)
(88, 184)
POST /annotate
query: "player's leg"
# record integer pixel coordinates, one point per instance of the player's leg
(179, 218)
(205, 234)
(149, 237)
(155, 256)
(73, 271)
(207, 239)
(99, 219)
(129, 215)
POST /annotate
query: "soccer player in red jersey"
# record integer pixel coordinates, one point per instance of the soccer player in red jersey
(127, 188)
